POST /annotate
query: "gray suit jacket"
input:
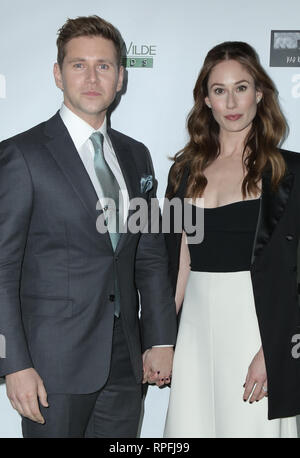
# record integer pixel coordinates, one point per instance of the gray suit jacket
(57, 271)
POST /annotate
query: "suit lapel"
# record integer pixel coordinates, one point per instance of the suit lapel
(272, 206)
(63, 150)
(130, 173)
(126, 162)
(67, 158)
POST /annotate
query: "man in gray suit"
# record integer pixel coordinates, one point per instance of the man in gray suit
(69, 307)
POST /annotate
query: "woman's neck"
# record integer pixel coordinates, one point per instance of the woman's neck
(232, 143)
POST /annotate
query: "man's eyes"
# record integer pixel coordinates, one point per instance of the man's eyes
(79, 66)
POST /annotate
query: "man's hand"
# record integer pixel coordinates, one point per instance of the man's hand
(23, 390)
(157, 363)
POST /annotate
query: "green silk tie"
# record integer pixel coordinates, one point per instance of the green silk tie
(110, 189)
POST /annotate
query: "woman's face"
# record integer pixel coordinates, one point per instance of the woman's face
(232, 96)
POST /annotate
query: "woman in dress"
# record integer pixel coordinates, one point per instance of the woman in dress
(236, 371)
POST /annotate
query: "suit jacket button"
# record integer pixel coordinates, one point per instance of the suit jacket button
(289, 237)
(112, 297)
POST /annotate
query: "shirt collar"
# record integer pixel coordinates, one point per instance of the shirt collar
(79, 130)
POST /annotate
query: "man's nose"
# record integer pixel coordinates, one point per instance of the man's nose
(92, 74)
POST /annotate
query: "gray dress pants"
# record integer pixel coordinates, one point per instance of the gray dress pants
(111, 412)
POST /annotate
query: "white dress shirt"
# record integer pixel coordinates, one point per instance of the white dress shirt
(80, 132)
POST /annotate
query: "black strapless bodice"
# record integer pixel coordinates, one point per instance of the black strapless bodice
(228, 238)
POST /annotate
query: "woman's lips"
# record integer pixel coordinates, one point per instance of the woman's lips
(233, 117)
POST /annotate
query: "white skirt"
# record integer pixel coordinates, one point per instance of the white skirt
(217, 340)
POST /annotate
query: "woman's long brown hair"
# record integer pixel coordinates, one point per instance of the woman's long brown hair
(268, 130)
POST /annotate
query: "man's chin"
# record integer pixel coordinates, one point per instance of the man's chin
(92, 110)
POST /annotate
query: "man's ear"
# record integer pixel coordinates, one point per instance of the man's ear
(58, 76)
(121, 78)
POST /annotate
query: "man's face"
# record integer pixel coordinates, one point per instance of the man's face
(89, 77)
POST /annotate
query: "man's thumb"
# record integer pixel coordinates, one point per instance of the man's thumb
(42, 394)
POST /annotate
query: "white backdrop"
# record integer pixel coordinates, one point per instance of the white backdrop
(157, 100)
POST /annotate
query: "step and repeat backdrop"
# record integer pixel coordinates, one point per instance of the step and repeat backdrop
(166, 42)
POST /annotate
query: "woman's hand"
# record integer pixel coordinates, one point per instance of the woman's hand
(256, 377)
(157, 365)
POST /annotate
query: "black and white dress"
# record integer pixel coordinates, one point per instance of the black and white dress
(219, 336)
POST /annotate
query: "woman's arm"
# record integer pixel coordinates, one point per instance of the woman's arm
(183, 274)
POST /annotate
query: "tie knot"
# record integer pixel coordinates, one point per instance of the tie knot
(97, 140)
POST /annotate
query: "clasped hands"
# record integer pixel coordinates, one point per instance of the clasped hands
(157, 365)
